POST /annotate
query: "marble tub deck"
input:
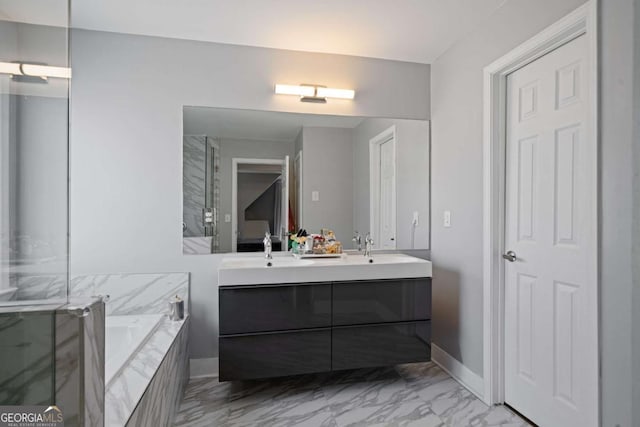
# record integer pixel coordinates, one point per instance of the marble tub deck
(406, 395)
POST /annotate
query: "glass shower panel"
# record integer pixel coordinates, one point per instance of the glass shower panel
(34, 117)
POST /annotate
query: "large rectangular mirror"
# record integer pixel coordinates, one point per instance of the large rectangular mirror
(249, 172)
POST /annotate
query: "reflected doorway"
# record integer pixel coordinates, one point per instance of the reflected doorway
(260, 197)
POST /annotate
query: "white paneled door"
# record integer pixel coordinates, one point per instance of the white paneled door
(387, 195)
(550, 314)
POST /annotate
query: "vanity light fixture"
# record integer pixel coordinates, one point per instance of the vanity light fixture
(314, 93)
(34, 70)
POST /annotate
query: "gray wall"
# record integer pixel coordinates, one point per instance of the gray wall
(241, 148)
(327, 162)
(412, 174)
(636, 221)
(456, 170)
(617, 168)
(126, 140)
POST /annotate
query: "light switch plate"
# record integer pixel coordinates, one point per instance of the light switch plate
(315, 196)
(227, 218)
(447, 218)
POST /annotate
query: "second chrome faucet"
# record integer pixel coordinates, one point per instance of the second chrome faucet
(368, 245)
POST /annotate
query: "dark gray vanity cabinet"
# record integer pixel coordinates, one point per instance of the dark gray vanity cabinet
(287, 329)
(275, 354)
(381, 301)
(266, 308)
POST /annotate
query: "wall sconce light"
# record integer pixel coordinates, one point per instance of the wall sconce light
(314, 93)
(38, 71)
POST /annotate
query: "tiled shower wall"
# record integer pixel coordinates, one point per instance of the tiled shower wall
(193, 183)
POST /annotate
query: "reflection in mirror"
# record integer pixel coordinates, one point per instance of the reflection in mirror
(248, 172)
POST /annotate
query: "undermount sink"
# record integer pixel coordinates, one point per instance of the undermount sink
(248, 270)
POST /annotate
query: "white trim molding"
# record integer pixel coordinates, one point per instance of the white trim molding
(465, 376)
(580, 22)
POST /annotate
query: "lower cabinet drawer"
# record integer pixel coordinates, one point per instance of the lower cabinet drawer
(275, 354)
(381, 345)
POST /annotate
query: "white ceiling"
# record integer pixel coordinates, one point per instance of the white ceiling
(404, 30)
(256, 125)
(41, 12)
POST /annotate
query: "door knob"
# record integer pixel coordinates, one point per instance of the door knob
(510, 256)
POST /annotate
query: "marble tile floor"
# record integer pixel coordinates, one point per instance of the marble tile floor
(418, 394)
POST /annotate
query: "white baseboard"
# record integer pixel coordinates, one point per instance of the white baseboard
(204, 368)
(465, 376)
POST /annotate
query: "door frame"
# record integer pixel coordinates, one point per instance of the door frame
(235, 161)
(299, 191)
(374, 181)
(582, 21)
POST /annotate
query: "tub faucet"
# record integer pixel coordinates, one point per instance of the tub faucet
(368, 244)
(357, 238)
(267, 245)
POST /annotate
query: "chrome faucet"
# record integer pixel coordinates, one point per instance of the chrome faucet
(267, 245)
(357, 238)
(368, 244)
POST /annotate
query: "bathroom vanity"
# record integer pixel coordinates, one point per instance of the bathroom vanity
(307, 316)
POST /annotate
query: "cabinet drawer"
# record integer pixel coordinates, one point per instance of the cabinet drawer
(246, 309)
(381, 301)
(275, 354)
(381, 345)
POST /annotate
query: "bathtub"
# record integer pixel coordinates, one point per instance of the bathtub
(124, 336)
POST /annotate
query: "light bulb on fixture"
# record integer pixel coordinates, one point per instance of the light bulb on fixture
(34, 70)
(295, 90)
(314, 93)
(327, 92)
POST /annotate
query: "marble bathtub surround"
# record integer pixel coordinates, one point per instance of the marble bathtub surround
(407, 395)
(34, 362)
(136, 378)
(27, 355)
(134, 293)
(159, 403)
(79, 360)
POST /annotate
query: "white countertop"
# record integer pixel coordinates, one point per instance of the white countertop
(253, 270)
